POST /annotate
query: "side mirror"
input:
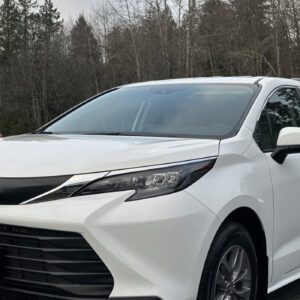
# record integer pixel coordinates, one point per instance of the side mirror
(288, 142)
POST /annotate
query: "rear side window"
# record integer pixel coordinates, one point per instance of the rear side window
(282, 110)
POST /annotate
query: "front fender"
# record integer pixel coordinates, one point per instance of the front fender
(239, 181)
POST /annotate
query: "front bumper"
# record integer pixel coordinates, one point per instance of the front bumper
(154, 248)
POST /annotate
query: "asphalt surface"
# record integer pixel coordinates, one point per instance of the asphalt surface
(290, 292)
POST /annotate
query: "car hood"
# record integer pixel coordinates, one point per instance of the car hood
(32, 155)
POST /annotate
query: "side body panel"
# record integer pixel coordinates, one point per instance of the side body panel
(286, 178)
(241, 178)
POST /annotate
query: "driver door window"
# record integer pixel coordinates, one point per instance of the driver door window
(282, 110)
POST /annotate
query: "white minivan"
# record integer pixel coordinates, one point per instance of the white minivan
(183, 189)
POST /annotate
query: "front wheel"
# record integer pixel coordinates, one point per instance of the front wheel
(231, 268)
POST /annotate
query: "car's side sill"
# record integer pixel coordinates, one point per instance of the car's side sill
(284, 282)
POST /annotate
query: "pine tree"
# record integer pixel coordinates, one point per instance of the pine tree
(27, 18)
(50, 21)
(50, 25)
(158, 35)
(9, 25)
(250, 29)
(9, 45)
(86, 54)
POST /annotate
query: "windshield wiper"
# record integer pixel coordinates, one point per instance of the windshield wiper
(143, 134)
(46, 132)
(109, 133)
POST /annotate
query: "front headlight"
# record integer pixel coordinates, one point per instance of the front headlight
(146, 184)
(150, 183)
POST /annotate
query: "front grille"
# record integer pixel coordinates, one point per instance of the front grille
(40, 264)
(14, 191)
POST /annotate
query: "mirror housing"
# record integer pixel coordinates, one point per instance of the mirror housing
(288, 143)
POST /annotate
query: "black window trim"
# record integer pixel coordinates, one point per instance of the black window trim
(269, 122)
(271, 132)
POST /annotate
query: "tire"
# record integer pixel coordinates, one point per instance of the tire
(232, 241)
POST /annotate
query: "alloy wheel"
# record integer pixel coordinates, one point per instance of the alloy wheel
(234, 276)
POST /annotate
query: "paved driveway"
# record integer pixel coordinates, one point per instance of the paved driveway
(291, 292)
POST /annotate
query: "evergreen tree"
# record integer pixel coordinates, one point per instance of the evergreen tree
(158, 35)
(119, 57)
(250, 32)
(50, 26)
(45, 68)
(9, 45)
(28, 18)
(50, 21)
(86, 55)
(216, 38)
(9, 25)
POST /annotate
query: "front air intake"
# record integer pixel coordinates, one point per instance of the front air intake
(41, 264)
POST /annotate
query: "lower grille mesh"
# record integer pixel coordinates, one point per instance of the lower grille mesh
(44, 264)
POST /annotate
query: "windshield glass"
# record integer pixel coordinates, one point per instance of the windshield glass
(179, 110)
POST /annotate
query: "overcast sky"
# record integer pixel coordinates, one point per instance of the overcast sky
(72, 8)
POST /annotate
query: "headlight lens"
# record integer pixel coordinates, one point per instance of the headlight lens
(146, 184)
(150, 183)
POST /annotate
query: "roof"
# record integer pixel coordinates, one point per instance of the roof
(241, 80)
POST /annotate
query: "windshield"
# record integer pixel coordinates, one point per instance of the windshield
(176, 110)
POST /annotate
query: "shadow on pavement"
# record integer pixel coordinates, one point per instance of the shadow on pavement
(290, 292)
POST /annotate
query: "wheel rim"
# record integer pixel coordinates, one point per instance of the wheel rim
(234, 276)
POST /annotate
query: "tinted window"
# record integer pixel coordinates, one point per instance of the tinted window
(283, 109)
(263, 134)
(202, 110)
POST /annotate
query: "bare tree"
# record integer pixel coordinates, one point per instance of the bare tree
(45, 68)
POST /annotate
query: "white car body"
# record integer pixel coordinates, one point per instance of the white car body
(157, 247)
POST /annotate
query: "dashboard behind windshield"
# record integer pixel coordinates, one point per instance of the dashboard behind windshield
(175, 110)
